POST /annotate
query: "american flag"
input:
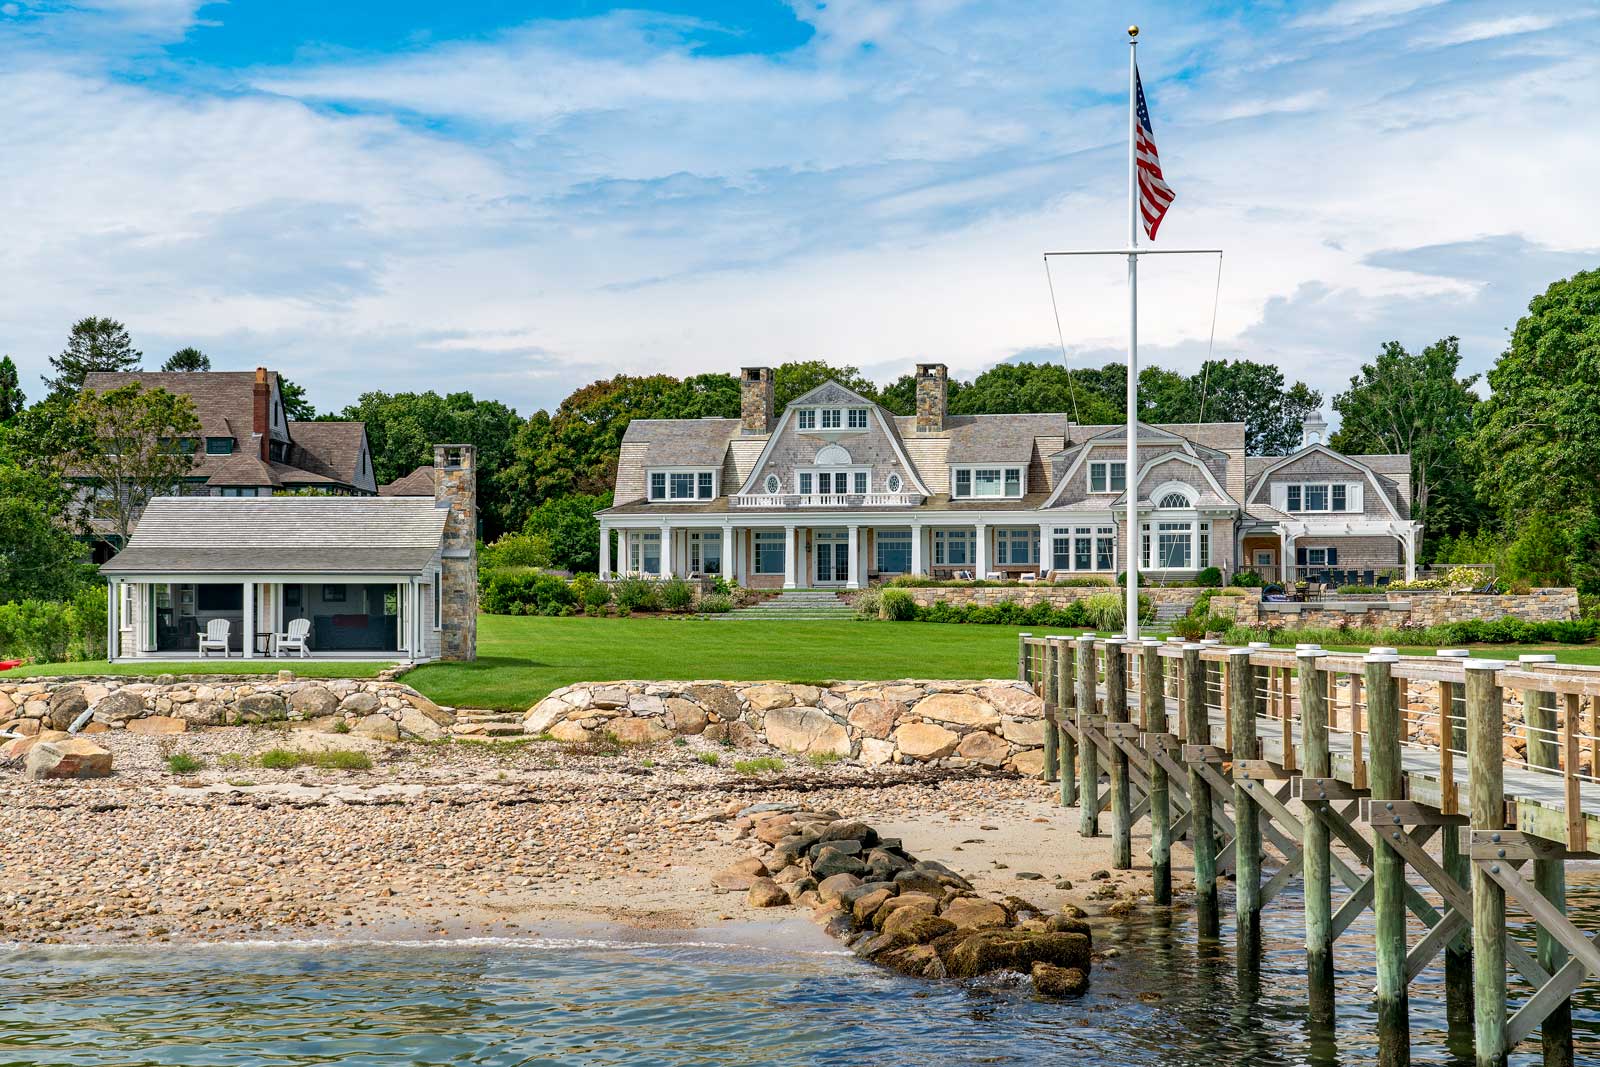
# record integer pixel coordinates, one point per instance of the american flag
(1155, 195)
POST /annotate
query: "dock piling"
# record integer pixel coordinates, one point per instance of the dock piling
(1153, 713)
(1116, 709)
(1088, 755)
(1486, 791)
(1202, 830)
(1388, 866)
(1316, 858)
(1247, 817)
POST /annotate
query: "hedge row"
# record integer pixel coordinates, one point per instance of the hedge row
(55, 631)
(1475, 632)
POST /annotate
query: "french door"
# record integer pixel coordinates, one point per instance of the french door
(833, 557)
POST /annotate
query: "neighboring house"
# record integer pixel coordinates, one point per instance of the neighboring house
(418, 483)
(372, 577)
(246, 445)
(840, 491)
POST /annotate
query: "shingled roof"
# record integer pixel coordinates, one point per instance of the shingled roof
(282, 535)
(420, 482)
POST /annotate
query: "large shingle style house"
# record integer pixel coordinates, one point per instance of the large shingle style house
(840, 492)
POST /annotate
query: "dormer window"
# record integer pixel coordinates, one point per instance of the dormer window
(976, 482)
(219, 446)
(683, 485)
(808, 418)
(858, 418)
(831, 418)
(1108, 477)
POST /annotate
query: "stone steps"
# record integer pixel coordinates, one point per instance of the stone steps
(487, 729)
(795, 605)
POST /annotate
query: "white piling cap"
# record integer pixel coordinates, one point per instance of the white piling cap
(1191, 646)
(1380, 657)
(1260, 644)
(1310, 652)
(1483, 664)
(1382, 650)
(1536, 657)
(1453, 653)
(1151, 642)
(1210, 642)
(1306, 644)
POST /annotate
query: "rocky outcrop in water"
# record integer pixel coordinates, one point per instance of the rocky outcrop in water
(917, 917)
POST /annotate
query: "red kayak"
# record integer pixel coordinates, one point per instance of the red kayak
(7, 664)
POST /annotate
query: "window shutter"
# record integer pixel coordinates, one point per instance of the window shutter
(1353, 499)
(1299, 556)
(1333, 556)
(1280, 497)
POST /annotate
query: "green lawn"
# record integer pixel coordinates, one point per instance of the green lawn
(521, 659)
(302, 668)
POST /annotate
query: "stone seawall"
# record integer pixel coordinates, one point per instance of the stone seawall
(994, 724)
(375, 708)
(1406, 608)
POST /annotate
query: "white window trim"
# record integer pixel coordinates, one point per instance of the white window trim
(1070, 534)
(837, 413)
(852, 471)
(756, 539)
(1329, 510)
(716, 485)
(1088, 476)
(1151, 527)
(438, 600)
(1314, 548)
(850, 415)
(803, 416)
(942, 536)
(894, 483)
(1022, 480)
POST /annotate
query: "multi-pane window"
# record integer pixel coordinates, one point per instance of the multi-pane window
(1019, 546)
(963, 485)
(988, 482)
(953, 548)
(893, 550)
(658, 485)
(1174, 500)
(1105, 548)
(861, 482)
(1203, 552)
(644, 553)
(805, 483)
(769, 551)
(831, 418)
(705, 552)
(1175, 542)
(1339, 497)
(219, 446)
(1317, 496)
(1082, 547)
(703, 488)
(858, 418)
(772, 484)
(894, 483)
(682, 485)
(1108, 477)
(808, 418)
(1292, 498)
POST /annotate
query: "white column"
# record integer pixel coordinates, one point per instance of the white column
(917, 535)
(1286, 551)
(605, 550)
(1046, 558)
(727, 554)
(249, 643)
(666, 566)
(982, 538)
(113, 603)
(1410, 544)
(853, 574)
(790, 556)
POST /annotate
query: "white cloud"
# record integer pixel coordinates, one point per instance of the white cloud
(1488, 30)
(1363, 13)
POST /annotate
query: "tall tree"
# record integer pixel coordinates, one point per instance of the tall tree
(1232, 391)
(1032, 388)
(1415, 404)
(39, 557)
(187, 359)
(571, 528)
(12, 399)
(1538, 436)
(295, 405)
(795, 379)
(95, 344)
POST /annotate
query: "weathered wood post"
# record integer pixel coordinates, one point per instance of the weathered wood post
(1316, 861)
(1549, 876)
(1388, 869)
(1458, 953)
(1153, 714)
(1088, 755)
(1247, 817)
(1067, 698)
(1052, 708)
(1116, 707)
(1487, 789)
(1197, 730)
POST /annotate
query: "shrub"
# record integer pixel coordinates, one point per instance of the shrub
(710, 759)
(36, 629)
(759, 765)
(1086, 582)
(1248, 580)
(1104, 611)
(716, 604)
(1210, 577)
(516, 550)
(869, 604)
(1189, 628)
(1122, 579)
(635, 594)
(340, 760)
(820, 760)
(182, 763)
(897, 605)
(525, 592)
(677, 594)
(279, 759)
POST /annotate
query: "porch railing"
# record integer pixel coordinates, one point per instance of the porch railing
(826, 500)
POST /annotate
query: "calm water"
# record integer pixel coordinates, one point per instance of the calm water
(588, 1001)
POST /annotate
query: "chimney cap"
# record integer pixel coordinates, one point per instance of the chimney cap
(261, 375)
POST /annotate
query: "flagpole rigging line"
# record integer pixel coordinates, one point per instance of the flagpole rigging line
(1062, 338)
(1211, 342)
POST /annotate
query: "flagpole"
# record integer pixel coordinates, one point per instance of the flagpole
(1130, 471)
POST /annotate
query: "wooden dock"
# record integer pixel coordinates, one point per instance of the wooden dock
(1280, 766)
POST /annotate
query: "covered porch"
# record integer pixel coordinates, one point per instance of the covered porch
(1369, 552)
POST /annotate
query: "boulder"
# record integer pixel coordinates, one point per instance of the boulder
(984, 749)
(920, 880)
(269, 707)
(67, 703)
(915, 961)
(875, 718)
(685, 716)
(121, 706)
(545, 714)
(358, 703)
(570, 732)
(70, 757)
(830, 861)
(736, 733)
(200, 712)
(18, 747)
(313, 702)
(806, 731)
(915, 926)
(611, 697)
(973, 913)
(765, 893)
(768, 697)
(923, 903)
(1015, 701)
(377, 726)
(717, 700)
(925, 741)
(1029, 763)
(849, 830)
(1066, 924)
(969, 955)
(791, 848)
(631, 731)
(158, 724)
(732, 881)
(414, 722)
(876, 753)
(1052, 981)
(832, 888)
(749, 865)
(865, 906)
(1026, 732)
(962, 709)
(775, 828)
(434, 713)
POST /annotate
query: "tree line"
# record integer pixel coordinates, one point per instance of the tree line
(1513, 478)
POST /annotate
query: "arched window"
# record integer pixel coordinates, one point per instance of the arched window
(894, 483)
(833, 456)
(773, 485)
(1174, 500)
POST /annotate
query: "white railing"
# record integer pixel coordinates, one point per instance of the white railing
(826, 500)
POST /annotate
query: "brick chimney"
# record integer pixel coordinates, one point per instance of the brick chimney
(260, 428)
(933, 396)
(755, 400)
(455, 486)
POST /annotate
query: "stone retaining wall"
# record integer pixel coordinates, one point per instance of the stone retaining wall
(994, 723)
(1416, 607)
(1057, 596)
(374, 708)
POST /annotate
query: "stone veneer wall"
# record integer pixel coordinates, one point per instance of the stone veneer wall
(456, 488)
(145, 706)
(1400, 608)
(994, 723)
(1058, 596)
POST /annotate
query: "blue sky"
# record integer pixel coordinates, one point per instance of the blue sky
(518, 198)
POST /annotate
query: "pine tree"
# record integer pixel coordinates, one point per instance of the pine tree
(95, 344)
(11, 396)
(187, 359)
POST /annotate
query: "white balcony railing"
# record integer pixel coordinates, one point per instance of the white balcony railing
(827, 500)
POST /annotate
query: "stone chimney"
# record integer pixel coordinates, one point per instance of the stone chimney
(260, 427)
(1314, 430)
(455, 486)
(933, 396)
(755, 400)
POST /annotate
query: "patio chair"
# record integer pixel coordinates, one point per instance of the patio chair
(215, 638)
(295, 639)
(963, 576)
(1366, 578)
(1027, 577)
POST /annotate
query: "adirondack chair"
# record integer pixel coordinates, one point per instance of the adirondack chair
(295, 639)
(215, 639)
